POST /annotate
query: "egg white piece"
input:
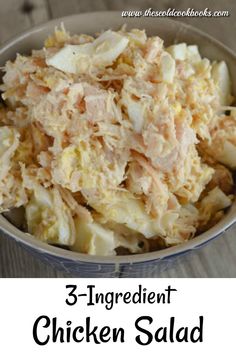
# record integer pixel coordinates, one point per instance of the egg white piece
(228, 154)
(72, 58)
(193, 53)
(178, 51)
(107, 47)
(94, 239)
(220, 75)
(76, 59)
(167, 68)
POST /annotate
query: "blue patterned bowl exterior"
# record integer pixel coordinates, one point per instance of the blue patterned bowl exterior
(120, 266)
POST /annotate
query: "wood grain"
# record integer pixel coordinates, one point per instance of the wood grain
(218, 258)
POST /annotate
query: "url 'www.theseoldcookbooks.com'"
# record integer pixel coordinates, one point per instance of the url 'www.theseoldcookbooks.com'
(175, 13)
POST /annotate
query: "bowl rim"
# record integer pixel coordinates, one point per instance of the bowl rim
(9, 229)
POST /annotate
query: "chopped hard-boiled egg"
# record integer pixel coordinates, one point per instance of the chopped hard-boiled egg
(167, 68)
(227, 154)
(221, 77)
(214, 201)
(107, 47)
(182, 51)
(72, 59)
(193, 54)
(126, 209)
(136, 111)
(92, 238)
(76, 59)
(48, 218)
(9, 141)
(178, 51)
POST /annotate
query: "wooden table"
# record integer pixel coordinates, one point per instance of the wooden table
(217, 259)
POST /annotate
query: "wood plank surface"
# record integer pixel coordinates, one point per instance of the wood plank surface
(218, 258)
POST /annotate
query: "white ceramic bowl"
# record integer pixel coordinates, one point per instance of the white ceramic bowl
(171, 31)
